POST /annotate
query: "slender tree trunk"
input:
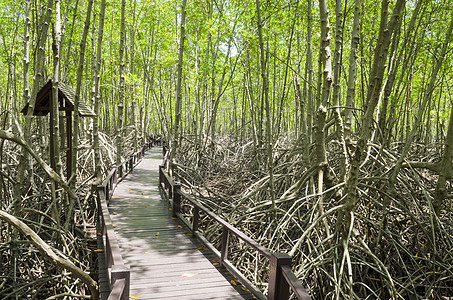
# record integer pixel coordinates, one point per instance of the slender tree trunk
(350, 96)
(344, 162)
(325, 56)
(178, 104)
(309, 69)
(288, 57)
(68, 53)
(119, 126)
(205, 81)
(55, 86)
(97, 95)
(345, 217)
(269, 142)
(75, 126)
(445, 170)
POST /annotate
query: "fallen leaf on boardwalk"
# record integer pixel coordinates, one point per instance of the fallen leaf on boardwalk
(189, 274)
(189, 233)
(143, 193)
(129, 190)
(179, 226)
(115, 196)
(157, 233)
(134, 297)
(233, 282)
(215, 264)
(215, 260)
(98, 250)
(116, 231)
(245, 289)
(170, 208)
(174, 218)
(99, 233)
(113, 213)
(202, 248)
(114, 226)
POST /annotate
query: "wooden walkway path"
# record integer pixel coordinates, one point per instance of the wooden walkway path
(165, 261)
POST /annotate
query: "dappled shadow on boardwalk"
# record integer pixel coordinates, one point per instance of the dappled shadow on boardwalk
(165, 261)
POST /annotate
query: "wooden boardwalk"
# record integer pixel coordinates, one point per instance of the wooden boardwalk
(165, 261)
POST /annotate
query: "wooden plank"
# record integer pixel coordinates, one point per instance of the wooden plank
(221, 292)
(165, 261)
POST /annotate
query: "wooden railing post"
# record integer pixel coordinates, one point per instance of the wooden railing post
(176, 199)
(169, 187)
(105, 190)
(115, 174)
(101, 216)
(120, 171)
(161, 174)
(131, 162)
(196, 219)
(121, 272)
(224, 246)
(278, 287)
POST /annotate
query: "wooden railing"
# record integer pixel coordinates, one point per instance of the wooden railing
(119, 275)
(281, 278)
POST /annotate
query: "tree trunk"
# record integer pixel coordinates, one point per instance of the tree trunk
(269, 143)
(309, 69)
(344, 162)
(55, 115)
(97, 96)
(350, 96)
(119, 126)
(178, 104)
(75, 126)
(345, 217)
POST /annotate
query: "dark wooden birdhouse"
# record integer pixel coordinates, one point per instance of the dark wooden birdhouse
(66, 98)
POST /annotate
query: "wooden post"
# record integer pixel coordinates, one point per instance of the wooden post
(196, 219)
(176, 199)
(161, 175)
(121, 272)
(131, 162)
(107, 193)
(69, 144)
(120, 171)
(170, 189)
(224, 246)
(278, 287)
(108, 251)
(115, 174)
(100, 188)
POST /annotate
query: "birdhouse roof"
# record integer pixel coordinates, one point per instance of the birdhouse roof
(66, 99)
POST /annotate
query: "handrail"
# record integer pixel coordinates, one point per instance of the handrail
(117, 290)
(294, 283)
(119, 273)
(281, 278)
